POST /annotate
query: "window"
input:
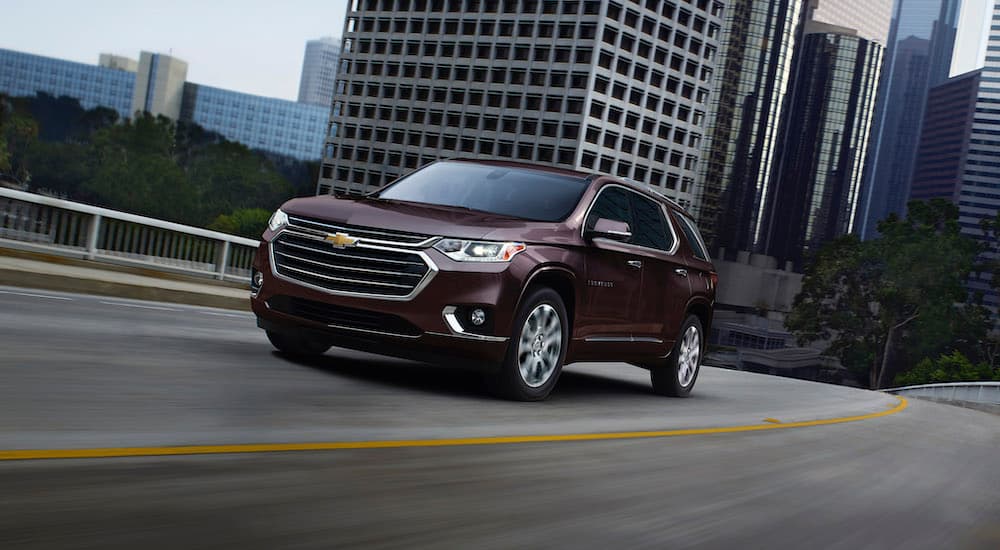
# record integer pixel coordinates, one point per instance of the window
(650, 228)
(693, 237)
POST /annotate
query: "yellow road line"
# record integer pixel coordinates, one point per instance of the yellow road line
(117, 452)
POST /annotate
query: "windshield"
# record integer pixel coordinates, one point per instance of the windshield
(508, 191)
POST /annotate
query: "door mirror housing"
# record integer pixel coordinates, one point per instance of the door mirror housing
(610, 229)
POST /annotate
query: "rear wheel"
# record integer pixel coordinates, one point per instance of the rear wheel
(536, 350)
(676, 376)
(298, 345)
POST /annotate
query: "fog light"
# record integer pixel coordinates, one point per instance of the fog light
(257, 280)
(478, 317)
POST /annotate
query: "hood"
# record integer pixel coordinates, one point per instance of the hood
(424, 219)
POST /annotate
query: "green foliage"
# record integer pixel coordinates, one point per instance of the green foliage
(245, 222)
(952, 367)
(228, 176)
(17, 134)
(881, 303)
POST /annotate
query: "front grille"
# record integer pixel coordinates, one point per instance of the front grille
(359, 269)
(343, 317)
(366, 233)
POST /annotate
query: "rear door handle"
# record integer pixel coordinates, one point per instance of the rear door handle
(635, 263)
(681, 272)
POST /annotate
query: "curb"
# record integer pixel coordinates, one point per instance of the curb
(45, 281)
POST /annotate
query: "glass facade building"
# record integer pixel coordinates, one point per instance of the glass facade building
(272, 125)
(918, 57)
(944, 138)
(275, 125)
(597, 85)
(758, 42)
(25, 74)
(818, 183)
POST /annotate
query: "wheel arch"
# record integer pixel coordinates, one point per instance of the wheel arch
(562, 281)
(703, 311)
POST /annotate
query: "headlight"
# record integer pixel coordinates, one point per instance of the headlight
(278, 220)
(479, 251)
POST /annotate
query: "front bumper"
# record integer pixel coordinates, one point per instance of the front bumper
(426, 333)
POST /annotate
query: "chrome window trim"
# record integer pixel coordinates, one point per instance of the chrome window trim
(448, 313)
(663, 211)
(428, 277)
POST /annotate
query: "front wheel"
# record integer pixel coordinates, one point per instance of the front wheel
(296, 344)
(536, 350)
(678, 374)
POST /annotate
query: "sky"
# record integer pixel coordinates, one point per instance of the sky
(252, 46)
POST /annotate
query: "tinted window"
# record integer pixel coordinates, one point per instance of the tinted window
(693, 237)
(649, 229)
(517, 192)
(612, 204)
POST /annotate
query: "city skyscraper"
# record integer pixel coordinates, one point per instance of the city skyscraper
(816, 186)
(918, 57)
(758, 42)
(979, 196)
(823, 154)
(608, 86)
(319, 71)
(944, 138)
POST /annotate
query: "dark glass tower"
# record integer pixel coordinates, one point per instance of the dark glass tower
(758, 42)
(826, 133)
(918, 57)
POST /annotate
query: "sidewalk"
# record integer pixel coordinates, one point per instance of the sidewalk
(96, 278)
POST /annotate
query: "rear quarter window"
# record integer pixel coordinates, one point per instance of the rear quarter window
(690, 230)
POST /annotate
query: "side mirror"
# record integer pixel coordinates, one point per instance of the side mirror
(610, 229)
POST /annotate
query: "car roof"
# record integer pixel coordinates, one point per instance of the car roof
(525, 165)
(642, 187)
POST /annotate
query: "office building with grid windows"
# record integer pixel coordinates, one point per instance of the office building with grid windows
(979, 195)
(319, 71)
(602, 86)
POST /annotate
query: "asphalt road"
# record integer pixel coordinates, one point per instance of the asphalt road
(80, 372)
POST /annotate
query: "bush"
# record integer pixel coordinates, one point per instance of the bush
(245, 222)
(952, 367)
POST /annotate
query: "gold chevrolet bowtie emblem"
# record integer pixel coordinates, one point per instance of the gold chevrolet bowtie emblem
(341, 240)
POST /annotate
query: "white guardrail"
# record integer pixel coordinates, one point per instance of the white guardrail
(987, 393)
(46, 224)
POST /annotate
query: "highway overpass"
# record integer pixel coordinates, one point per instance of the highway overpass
(178, 426)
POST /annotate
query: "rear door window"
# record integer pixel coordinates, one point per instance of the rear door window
(650, 228)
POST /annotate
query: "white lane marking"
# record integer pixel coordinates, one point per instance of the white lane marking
(140, 307)
(36, 295)
(234, 315)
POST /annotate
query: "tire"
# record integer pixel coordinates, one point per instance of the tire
(677, 375)
(297, 345)
(533, 363)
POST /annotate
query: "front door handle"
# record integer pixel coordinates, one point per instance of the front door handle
(635, 263)
(681, 272)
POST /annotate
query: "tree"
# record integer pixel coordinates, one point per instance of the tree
(871, 299)
(17, 134)
(228, 177)
(952, 367)
(245, 222)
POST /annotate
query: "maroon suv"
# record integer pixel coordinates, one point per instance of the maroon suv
(513, 268)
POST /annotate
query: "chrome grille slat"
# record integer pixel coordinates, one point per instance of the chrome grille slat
(350, 268)
(341, 254)
(398, 237)
(364, 269)
(342, 279)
